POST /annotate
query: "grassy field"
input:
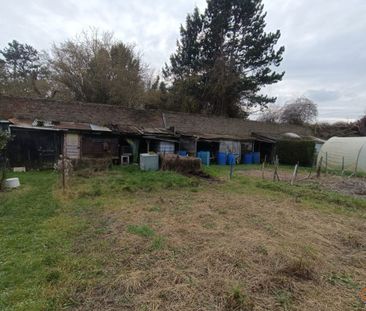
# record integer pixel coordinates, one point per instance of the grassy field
(131, 240)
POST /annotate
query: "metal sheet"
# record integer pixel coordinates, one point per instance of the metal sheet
(99, 128)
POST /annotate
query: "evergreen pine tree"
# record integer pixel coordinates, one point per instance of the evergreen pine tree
(224, 58)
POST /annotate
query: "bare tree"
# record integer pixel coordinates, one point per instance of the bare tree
(271, 115)
(300, 111)
(96, 68)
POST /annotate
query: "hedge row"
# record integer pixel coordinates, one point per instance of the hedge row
(290, 152)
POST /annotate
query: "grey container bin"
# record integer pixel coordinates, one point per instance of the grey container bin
(149, 162)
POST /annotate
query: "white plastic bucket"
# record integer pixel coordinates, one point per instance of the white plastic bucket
(12, 183)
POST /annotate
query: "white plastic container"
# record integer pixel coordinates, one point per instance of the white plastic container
(12, 183)
(149, 162)
(20, 169)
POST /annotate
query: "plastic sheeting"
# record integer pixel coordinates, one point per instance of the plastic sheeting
(347, 153)
(166, 147)
(230, 147)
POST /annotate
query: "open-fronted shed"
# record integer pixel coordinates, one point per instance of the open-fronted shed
(97, 130)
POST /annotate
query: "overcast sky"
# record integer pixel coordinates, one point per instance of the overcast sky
(325, 40)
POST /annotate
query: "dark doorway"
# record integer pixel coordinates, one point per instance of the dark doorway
(267, 151)
(211, 146)
(34, 149)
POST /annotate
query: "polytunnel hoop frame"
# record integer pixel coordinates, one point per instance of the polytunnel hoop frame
(358, 157)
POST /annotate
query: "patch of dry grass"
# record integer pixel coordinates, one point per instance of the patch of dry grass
(162, 241)
(223, 246)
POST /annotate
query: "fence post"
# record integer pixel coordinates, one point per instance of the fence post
(294, 173)
(342, 166)
(275, 170)
(319, 168)
(312, 167)
(63, 173)
(263, 164)
(231, 170)
(275, 174)
(358, 158)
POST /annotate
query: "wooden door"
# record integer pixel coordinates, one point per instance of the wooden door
(72, 146)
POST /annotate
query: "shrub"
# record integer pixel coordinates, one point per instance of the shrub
(4, 138)
(291, 152)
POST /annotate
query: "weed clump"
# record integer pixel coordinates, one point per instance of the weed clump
(238, 300)
(143, 231)
(95, 191)
(353, 241)
(53, 276)
(342, 279)
(158, 243)
(284, 299)
(300, 268)
(156, 209)
(261, 249)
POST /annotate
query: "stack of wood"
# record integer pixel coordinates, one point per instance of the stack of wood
(185, 165)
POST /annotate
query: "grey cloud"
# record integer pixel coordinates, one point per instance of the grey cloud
(324, 57)
(322, 95)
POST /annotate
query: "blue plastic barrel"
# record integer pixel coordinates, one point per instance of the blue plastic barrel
(248, 158)
(256, 157)
(231, 159)
(204, 156)
(183, 153)
(221, 158)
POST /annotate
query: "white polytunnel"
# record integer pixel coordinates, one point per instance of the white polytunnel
(347, 153)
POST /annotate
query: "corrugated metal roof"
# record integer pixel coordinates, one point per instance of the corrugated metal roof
(273, 138)
(100, 128)
(51, 125)
(27, 124)
(72, 126)
(126, 129)
(136, 121)
(167, 139)
(129, 129)
(160, 131)
(217, 137)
